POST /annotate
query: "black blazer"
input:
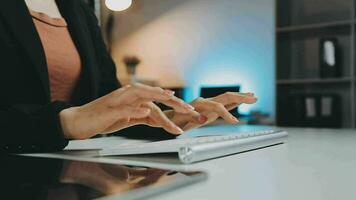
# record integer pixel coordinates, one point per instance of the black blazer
(28, 119)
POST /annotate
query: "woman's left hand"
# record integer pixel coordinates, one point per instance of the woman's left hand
(211, 109)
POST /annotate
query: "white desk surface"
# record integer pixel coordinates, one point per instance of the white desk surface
(313, 164)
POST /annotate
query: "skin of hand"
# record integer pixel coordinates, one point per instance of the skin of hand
(211, 109)
(122, 108)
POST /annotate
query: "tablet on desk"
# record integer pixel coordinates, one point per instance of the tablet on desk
(44, 178)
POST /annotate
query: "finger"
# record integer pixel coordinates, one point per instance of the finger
(138, 91)
(182, 119)
(211, 117)
(177, 104)
(219, 109)
(132, 112)
(162, 120)
(224, 113)
(234, 97)
(142, 94)
(126, 117)
(231, 106)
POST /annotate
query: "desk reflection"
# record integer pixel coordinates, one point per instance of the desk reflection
(38, 178)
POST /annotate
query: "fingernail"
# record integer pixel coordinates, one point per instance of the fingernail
(202, 119)
(235, 119)
(169, 92)
(179, 130)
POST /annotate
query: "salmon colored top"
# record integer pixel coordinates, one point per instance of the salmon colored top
(63, 60)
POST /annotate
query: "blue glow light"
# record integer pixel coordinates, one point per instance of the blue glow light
(242, 54)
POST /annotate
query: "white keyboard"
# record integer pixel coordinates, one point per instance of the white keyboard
(202, 148)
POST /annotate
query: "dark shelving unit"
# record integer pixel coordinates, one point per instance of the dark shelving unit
(301, 24)
(322, 25)
(315, 81)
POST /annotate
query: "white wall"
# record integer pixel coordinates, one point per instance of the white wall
(201, 43)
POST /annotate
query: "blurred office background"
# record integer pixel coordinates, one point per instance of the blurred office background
(296, 55)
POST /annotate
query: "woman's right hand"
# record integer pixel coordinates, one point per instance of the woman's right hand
(119, 109)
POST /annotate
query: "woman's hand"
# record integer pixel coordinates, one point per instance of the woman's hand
(210, 109)
(122, 108)
(155, 118)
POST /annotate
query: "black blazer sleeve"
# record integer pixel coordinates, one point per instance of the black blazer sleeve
(31, 128)
(28, 124)
(28, 120)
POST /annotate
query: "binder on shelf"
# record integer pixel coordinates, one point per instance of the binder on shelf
(330, 111)
(310, 110)
(329, 58)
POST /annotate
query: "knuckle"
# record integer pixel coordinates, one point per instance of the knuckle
(218, 106)
(221, 107)
(135, 85)
(158, 89)
(149, 105)
(155, 107)
(198, 101)
(176, 100)
(180, 101)
(214, 105)
(131, 88)
(134, 92)
(231, 96)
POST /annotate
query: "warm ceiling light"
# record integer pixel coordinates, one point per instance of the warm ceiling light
(118, 5)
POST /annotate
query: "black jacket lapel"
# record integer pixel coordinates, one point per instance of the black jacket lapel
(80, 33)
(19, 20)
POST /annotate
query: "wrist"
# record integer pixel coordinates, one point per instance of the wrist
(67, 117)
